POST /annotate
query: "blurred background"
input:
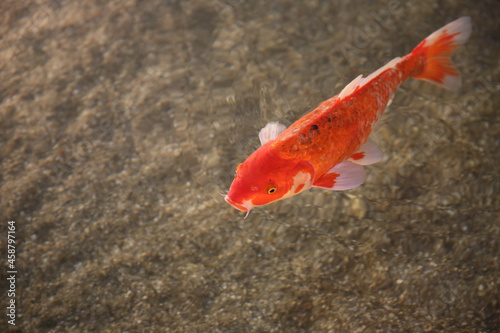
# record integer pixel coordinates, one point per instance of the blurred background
(121, 121)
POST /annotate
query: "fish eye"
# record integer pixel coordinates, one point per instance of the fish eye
(271, 190)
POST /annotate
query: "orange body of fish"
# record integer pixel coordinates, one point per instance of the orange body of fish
(328, 147)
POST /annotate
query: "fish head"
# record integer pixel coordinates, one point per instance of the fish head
(265, 177)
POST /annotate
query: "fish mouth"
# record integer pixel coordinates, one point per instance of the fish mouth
(244, 207)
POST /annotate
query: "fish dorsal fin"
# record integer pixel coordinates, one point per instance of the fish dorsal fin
(361, 81)
(369, 153)
(351, 87)
(270, 132)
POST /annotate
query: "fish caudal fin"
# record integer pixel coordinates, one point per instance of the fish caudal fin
(437, 49)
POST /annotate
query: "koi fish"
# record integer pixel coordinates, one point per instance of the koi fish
(328, 147)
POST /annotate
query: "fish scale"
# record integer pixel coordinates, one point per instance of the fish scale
(329, 146)
(343, 126)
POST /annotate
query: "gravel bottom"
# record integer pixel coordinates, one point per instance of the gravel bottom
(121, 121)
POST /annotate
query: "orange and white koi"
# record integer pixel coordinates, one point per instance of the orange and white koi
(329, 146)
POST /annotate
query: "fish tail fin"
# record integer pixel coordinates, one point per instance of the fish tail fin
(436, 51)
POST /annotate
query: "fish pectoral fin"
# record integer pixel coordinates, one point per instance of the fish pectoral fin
(369, 153)
(343, 176)
(270, 132)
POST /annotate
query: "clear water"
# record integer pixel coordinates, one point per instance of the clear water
(121, 122)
